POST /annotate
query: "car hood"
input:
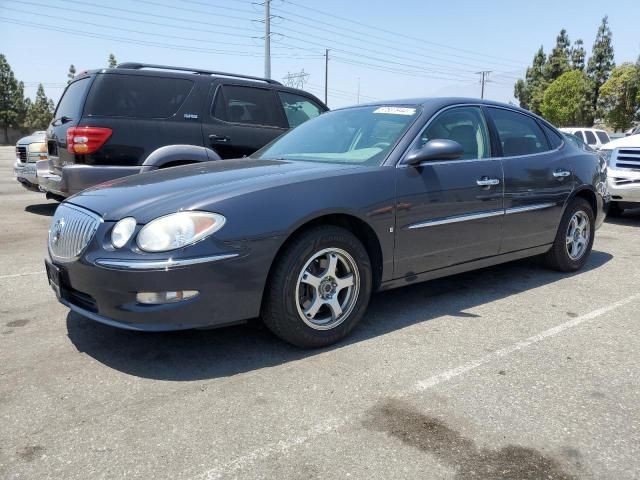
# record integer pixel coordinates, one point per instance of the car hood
(38, 137)
(149, 195)
(631, 141)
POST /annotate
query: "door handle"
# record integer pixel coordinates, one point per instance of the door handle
(560, 173)
(487, 182)
(219, 139)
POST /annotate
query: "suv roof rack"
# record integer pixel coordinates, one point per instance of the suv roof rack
(139, 66)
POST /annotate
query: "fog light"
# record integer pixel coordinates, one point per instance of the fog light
(157, 298)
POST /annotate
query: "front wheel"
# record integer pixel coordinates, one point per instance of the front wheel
(574, 240)
(319, 287)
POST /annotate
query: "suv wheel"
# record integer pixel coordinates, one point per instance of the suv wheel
(319, 288)
(574, 239)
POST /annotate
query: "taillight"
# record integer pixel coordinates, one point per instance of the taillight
(83, 140)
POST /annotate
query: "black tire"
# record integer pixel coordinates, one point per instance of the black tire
(558, 256)
(615, 210)
(281, 309)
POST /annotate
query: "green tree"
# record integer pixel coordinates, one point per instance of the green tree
(112, 62)
(41, 111)
(11, 98)
(619, 99)
(566, 100)
(559, 58)
(602, 61)
(578, 55)
(529, 91)
(71, 73)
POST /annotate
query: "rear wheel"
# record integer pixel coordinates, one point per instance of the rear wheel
(574, 239)
(319, 288)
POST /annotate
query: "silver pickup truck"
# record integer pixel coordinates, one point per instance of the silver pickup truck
(30, 150)
(623, 156)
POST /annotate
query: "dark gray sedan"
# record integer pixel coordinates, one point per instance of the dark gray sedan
(302, 232)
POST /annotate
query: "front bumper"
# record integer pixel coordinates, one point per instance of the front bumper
(75, 178)
(624, 185)
(26, 173)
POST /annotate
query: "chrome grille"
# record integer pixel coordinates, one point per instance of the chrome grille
(627, 158)
(72, 228)
(21, 153)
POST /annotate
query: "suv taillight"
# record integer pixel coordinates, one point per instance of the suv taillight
(83, 140)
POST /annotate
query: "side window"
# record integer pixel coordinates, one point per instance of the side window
(248, 105)
(590, 137)
(70, 105)
(298, 109)
(116, 95)
(519, 134)
(554, 138)
(579, 135)
(602, 135)
(465, 125)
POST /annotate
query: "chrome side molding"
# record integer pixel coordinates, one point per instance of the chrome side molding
(530, 208)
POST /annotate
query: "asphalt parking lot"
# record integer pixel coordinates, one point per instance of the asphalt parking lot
(512, 372)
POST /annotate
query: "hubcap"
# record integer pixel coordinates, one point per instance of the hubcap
(578, 235)
(327, 288)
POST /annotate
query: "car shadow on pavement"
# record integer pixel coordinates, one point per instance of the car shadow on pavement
(45, 209)
(630, 218)
(205, 354)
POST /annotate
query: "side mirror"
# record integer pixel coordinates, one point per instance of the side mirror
(437, 149)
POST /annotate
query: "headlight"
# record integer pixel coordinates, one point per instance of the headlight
(178, 230)
(606, 155)
(122, 232)
(37, 148)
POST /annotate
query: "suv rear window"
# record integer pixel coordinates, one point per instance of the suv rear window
(591, 138)
(115, 95)
(70, 105)
(604, 138)
(253, 106)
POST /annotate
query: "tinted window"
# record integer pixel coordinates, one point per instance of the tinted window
(554, 138)
(356, 136)
(253, 106)
(465, 125)
(137, 96)
(519, 134)
(70, 105)
(591, 138)
(579, 135)
(602, 136)
(298, 109)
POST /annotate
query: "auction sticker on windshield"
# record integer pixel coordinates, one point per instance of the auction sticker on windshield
(396, 110)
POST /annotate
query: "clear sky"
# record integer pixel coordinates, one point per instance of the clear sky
(391, 49)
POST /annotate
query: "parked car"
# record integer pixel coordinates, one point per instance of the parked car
(301, 232)
(29, 150)
(591, 136)
(623, 156)
(633, 131)
(109, 122)
(577, 142)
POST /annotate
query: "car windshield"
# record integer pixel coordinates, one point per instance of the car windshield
(358, 136)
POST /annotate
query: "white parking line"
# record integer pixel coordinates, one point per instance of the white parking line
(14, 275)
(243, 461)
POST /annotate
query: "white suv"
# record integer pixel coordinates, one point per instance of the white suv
(591, 136)
(623, 177)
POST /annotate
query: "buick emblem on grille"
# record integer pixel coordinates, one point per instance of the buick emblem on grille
(57, 231)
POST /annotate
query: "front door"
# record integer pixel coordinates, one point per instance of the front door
(242, 120)
(537, 180)
(450, 212)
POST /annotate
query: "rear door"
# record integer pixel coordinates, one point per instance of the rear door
(67, 115)
(242, 119)
(450, 211)
(537, 179)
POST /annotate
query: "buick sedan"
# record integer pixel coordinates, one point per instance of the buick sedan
(302, 232)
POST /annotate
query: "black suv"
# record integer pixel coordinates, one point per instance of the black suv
(137, 117)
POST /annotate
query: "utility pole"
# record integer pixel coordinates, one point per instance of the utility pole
(267, 38)
(326, 74)
(484, 79)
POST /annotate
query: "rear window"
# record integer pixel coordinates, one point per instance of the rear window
(70, 105)
(519, 134)
(591, 138)
(136, 96)
(602, 136)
